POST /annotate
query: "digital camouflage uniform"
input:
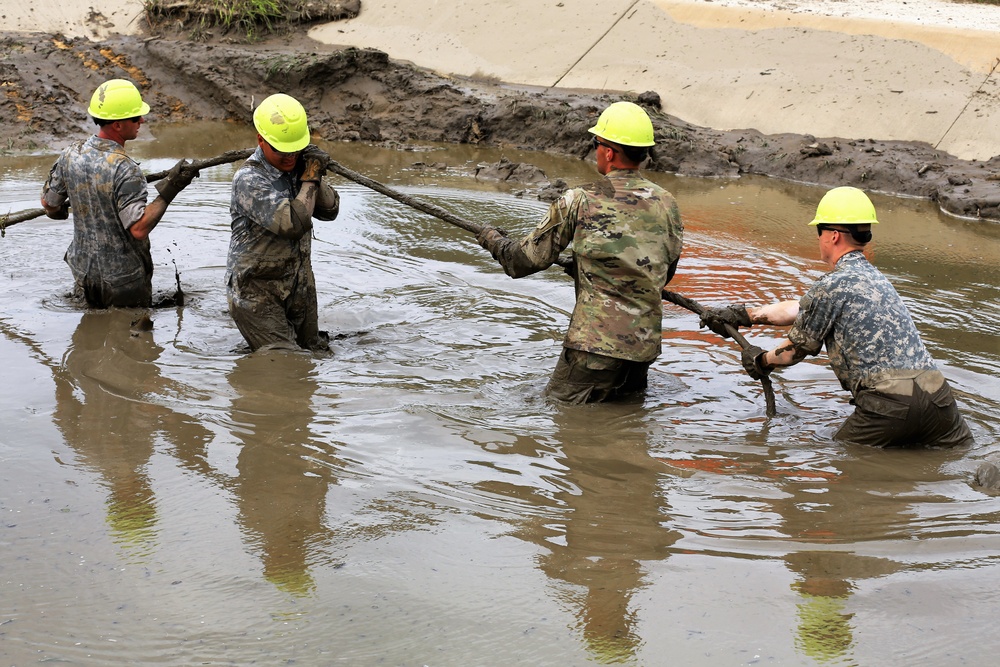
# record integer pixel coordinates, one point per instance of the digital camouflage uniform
(269, 276)
(900, 396)
(107, 193)
(625, 233)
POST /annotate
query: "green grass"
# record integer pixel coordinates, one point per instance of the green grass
(248, 16)
(253, 18)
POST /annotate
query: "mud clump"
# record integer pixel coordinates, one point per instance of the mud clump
(362, 95)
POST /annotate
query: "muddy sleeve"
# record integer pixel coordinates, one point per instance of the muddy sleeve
(54, 191)
(131, 192)
(540, 249)
(292, 219)
(327, 202)
(260, 200)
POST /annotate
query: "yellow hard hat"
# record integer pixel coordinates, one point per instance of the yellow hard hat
(117, 99)
(281, 120)
(625, 123)
(845, 206)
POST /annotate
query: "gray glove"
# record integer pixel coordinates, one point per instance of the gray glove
(716, 319)
(753, 363)
(178, 178)
(315, 160)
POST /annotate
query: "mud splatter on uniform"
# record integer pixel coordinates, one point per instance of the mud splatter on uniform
(875, 350)
(107, 192)
(269, 276)
(625, 233)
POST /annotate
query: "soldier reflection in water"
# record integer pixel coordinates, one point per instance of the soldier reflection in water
(106, 390)
(610, 520)
(858, 501)
(280, 490)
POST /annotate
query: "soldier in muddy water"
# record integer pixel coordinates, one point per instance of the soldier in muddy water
(276, 193)
(626, 235)
(109, 255)
(901, 398)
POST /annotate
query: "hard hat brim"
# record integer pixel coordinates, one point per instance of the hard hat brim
(597, 133)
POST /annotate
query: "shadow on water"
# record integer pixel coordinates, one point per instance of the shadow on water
(413, 499)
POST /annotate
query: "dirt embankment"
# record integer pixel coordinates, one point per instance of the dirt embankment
(362, 95)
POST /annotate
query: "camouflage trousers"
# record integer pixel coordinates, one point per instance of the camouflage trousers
(137, 293)
(917, 418)
(276, 313)
(584, 377)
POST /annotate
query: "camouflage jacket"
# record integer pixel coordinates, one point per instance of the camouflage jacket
(107, 192)
(625, 233)
(868, 332)
(259, 247)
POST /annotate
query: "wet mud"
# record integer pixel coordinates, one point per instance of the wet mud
(361, 95)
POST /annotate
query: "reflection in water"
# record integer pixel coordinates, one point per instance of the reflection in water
(280, 496)
(106, 407)
(825, 630)
(603, 526)
(281, 491)
(824, 512)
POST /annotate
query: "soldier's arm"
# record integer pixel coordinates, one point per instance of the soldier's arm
(539, 249)
(327, 202)
(57, 211)
(786, 354)
(141, 228)
(780, 314)
(55, 201)
(288, 218)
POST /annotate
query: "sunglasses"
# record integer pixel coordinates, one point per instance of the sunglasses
(281, 153)
(857, 235)
(822, 228)
(598, 142)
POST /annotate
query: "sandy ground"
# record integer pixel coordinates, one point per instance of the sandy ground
(918, 70)
(913, 70)
(94, 19)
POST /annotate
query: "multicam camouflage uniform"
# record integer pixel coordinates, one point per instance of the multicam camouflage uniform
(269, 277)
(626, 235)
(900, 396)
(107, 193)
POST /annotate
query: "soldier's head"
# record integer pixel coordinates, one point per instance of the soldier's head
(847, 214)
(622, 137)
(117, 108)
(282, 130)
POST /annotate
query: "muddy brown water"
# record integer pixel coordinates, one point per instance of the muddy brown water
(412, 499)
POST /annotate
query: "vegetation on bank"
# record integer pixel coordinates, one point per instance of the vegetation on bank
(248, 19)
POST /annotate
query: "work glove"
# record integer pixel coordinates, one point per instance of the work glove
(716, 319)
(753, 362)
(568, 265)
(178, 178)
(315, 160)
(489, 237)
(60, 214)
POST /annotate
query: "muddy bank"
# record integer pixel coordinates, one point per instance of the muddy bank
(363, 95)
